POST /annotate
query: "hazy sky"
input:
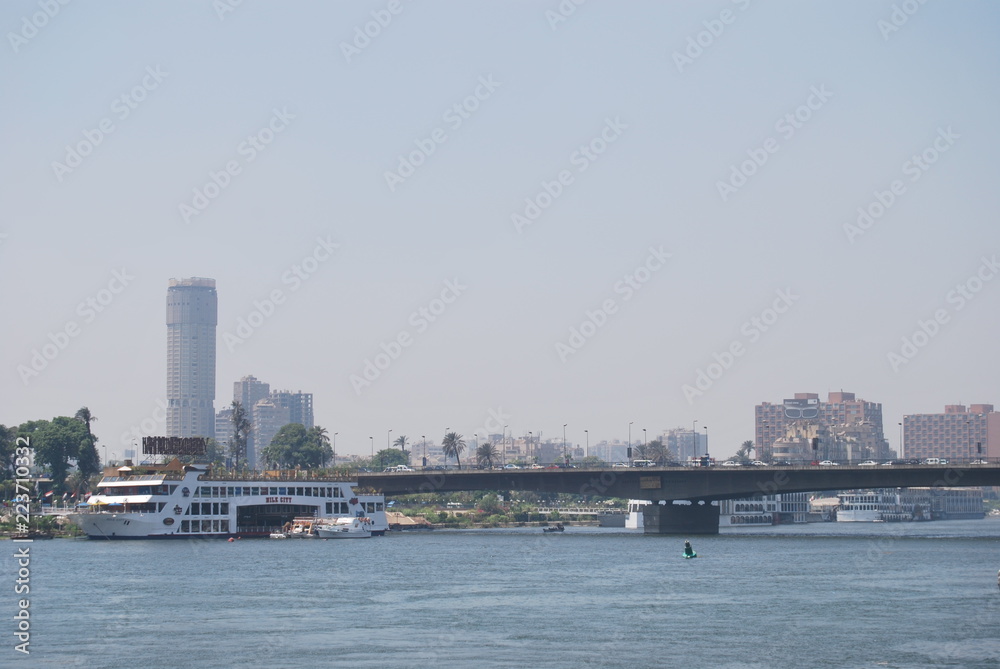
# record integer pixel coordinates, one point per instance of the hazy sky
(667, 172)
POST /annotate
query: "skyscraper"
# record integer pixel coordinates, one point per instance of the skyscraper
(192, 316)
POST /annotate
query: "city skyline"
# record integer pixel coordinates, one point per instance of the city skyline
(654, 216)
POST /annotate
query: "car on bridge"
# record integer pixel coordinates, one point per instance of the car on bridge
(868, 463)
(828, 463)
(619, 464)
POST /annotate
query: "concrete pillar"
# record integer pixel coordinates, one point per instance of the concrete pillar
(693, 518)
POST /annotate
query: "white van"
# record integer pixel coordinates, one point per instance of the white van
(934, 461)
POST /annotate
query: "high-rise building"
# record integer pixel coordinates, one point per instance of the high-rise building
(299, 405)
(248, 391)
(850, 427)
(960, 433)
(192, 316)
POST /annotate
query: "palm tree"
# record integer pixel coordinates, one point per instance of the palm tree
(89, 462)
(486, 454)
(401, 442)
(453, 445)
(744, 451)
(241, 431)
(319, 435)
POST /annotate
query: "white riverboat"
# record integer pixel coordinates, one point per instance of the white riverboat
(345, 528)
(874, 506)
(191, 502)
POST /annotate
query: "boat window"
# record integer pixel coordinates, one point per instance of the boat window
(329, 507)
(308, 492)
(224, 525)
(253, 490)
(229, 491)
(239, 492)
(224, 508)
(185, 526)
(378, 506)
(274, 491)
(215, 508)
(281, 491)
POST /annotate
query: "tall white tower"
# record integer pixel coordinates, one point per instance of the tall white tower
(192, 316)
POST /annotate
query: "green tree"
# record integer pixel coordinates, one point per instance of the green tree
(241, 433)
(658, 452)
(56, 442)
(487, 454)
(7, 451)
(401, 442)
(490, 504)
(743, 454)
(453, 446)
(391, 457)
(592, 461)
(321, 440)
(88, 461)
(294, 446)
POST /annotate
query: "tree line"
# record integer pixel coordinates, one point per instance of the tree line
(59, 445)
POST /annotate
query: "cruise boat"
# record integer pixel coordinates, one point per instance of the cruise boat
(193, 502)
(873, 506)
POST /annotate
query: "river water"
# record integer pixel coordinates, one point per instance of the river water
(823, 595)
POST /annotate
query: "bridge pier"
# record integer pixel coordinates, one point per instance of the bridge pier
(694, 518)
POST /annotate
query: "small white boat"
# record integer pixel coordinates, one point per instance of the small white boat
(346, 528)
(278, 535)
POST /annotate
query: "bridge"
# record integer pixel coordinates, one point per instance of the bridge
(693, 487)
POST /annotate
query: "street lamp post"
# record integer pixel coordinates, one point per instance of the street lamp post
(565, 459)
(106, 462)
(694, 438)
(423, 442)
(335, 448)
(643, 439)
(372, 440)
(968, 437)
(529, 444)
(503, 442)
(586, 452)
(705, 427)
(628, 450)
(901, 451)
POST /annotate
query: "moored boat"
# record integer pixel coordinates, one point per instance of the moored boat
(192, 502)
(345, 528)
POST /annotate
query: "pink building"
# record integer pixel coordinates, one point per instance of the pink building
(958, 434)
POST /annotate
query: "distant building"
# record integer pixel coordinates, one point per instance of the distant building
(684, 443)
(223, 430)
(192, 317)
(248, 391)
(268, 418)
(960, 433)
(848, 428)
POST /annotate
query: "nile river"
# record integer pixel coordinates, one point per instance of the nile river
(823, 595)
